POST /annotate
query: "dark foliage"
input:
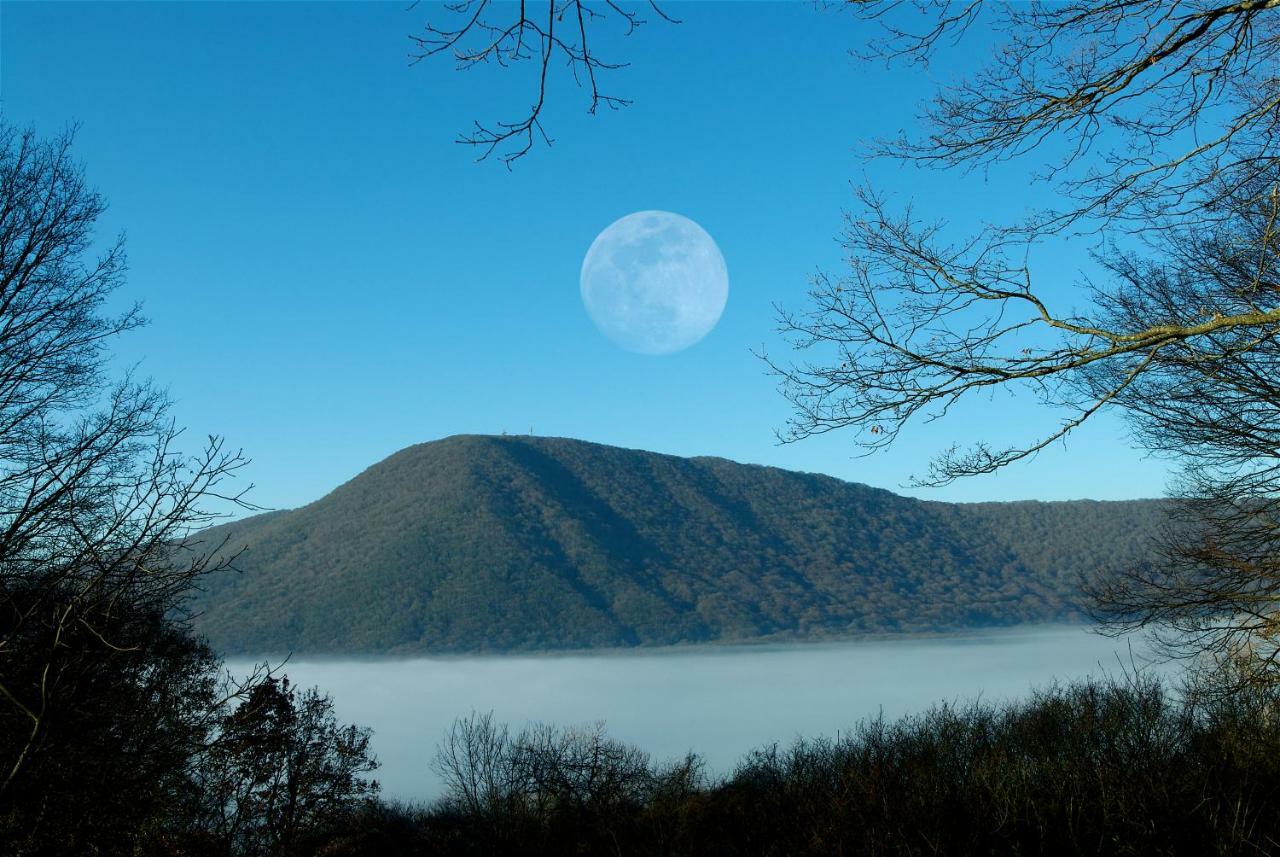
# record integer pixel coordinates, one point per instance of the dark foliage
(114, 719)
(490, 543)
(1098, 768)
(280, 769)
(153, 749)
(112, 756)
(98, 505)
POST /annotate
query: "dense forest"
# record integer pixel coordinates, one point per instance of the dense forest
(480, 543)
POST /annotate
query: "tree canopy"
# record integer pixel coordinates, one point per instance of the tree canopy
(114, 716)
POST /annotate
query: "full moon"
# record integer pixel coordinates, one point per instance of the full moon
(654, 282)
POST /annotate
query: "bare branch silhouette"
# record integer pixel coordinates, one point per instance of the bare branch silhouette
(482, 32)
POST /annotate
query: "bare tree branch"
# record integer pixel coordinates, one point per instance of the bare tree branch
(507, 34)
(1138, 104)
(99, 508)
(1157, 123)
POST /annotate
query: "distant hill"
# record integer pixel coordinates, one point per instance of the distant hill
(478, 543)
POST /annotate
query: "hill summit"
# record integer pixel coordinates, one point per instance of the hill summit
(481, 543)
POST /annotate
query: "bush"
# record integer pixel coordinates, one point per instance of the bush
(1097, 767)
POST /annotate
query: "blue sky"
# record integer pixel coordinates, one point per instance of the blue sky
(330, 278)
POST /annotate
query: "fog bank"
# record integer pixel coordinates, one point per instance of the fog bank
(717, 701)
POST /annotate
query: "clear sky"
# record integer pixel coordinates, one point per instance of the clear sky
(330, 278)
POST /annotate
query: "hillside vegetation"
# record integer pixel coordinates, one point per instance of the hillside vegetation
(478, 543)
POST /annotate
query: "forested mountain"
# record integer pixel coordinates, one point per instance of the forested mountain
(479, 543)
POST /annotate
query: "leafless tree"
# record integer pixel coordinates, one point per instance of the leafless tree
(558, 33)
(921, 321)
(1214, 404)
(1156, 122)
(473, 761)
(919, 325)
(99, 507)
(1140, 107)
(511, 781)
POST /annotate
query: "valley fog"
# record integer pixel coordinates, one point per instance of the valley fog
(719, 701)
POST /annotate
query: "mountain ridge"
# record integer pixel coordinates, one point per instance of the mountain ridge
(480, 543)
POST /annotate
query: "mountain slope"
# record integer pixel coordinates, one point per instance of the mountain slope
(476, 543)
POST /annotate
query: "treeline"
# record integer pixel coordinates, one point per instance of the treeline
(1101, 767)
(155, 749)
(1097, 768)
(474, 543)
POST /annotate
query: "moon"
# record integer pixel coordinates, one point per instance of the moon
(654, 282)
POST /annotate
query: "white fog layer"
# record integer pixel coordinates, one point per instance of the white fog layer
(718, 701)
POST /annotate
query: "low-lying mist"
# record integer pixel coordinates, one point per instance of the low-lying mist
(717, 701)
